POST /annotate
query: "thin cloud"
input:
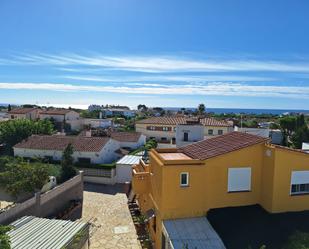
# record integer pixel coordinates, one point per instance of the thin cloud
(215, 88)
(162, 64)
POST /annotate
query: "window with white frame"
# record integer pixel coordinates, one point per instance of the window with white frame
(220, 132)
(239, 179)
(164, 128)
(300, 182)
(210, 132)
(184, 179)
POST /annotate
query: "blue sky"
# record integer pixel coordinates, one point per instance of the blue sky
(246, 54)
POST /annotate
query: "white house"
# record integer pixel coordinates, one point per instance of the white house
(95, 150)
(189, 133)
(63, 116)
(97, 122)
(86, 149)
(59, 115)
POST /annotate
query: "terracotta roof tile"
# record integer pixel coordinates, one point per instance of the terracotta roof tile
(126, 136)
(174, 120)
(21, 110)
(59, 143)
(55, 112)
(221, 145)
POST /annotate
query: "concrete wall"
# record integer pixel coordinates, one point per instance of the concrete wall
(195, 133)
(47, 204)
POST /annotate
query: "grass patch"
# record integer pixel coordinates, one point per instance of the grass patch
(252, 227)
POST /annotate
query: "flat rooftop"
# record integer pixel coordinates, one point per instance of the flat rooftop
(174, 156)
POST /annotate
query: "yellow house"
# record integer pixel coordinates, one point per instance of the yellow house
(235, 169)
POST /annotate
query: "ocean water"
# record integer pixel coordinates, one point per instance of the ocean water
(244, 111)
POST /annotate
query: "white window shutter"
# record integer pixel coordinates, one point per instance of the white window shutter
(239, 179)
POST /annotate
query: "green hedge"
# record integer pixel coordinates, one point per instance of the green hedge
(96, 166)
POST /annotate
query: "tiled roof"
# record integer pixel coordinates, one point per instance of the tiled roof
(56, 112)
(126, 136)
(21, 110)
(221, 145)
(174, 120)
(59, 143)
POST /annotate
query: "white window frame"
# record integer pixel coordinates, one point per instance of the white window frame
(187, 184)
(234, 184)
(298, 178)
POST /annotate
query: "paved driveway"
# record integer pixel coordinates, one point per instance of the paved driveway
(106, 208)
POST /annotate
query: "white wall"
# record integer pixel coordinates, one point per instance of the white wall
(195, 134)
(106, 155)
(134, 145)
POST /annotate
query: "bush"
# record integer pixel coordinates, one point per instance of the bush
(19, 177)
(68, 170)
(298, 240)
(96, 166)
(4, 239)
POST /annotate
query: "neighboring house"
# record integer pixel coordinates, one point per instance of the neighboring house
(95, 150)
(59, 115)
(63, 116)
(86, 149)
(97, 123)
(189, 133)
(235, 169)
(24, 113)
(114, 111)
(129, 140)
(163, 129)
(34, 232)
(124, 168)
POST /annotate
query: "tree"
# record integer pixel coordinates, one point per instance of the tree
(201, 109)
(9, 108)
(17, 176)
(4, 238)
(68, 170)
(301, 135)
(14, 131)
(288, 124)
(142, 108)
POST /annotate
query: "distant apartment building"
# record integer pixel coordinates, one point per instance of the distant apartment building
(163, 129)
(121, 112)
(24, 113)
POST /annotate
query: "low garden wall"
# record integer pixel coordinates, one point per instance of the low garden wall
(100, 176)
(49, 203)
